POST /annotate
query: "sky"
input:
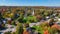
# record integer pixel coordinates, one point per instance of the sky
(29, 2)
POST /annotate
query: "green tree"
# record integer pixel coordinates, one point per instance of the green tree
(32, 19)
(19, 29)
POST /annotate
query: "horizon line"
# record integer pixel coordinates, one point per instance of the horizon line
(31, 6)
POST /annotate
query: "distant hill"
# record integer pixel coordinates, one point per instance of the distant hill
(44, 7)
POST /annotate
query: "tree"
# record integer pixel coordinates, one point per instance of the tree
(19, 28)
(32, 19)
(39, 17)
(7, 33)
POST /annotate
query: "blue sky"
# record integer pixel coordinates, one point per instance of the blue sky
(29, 2)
